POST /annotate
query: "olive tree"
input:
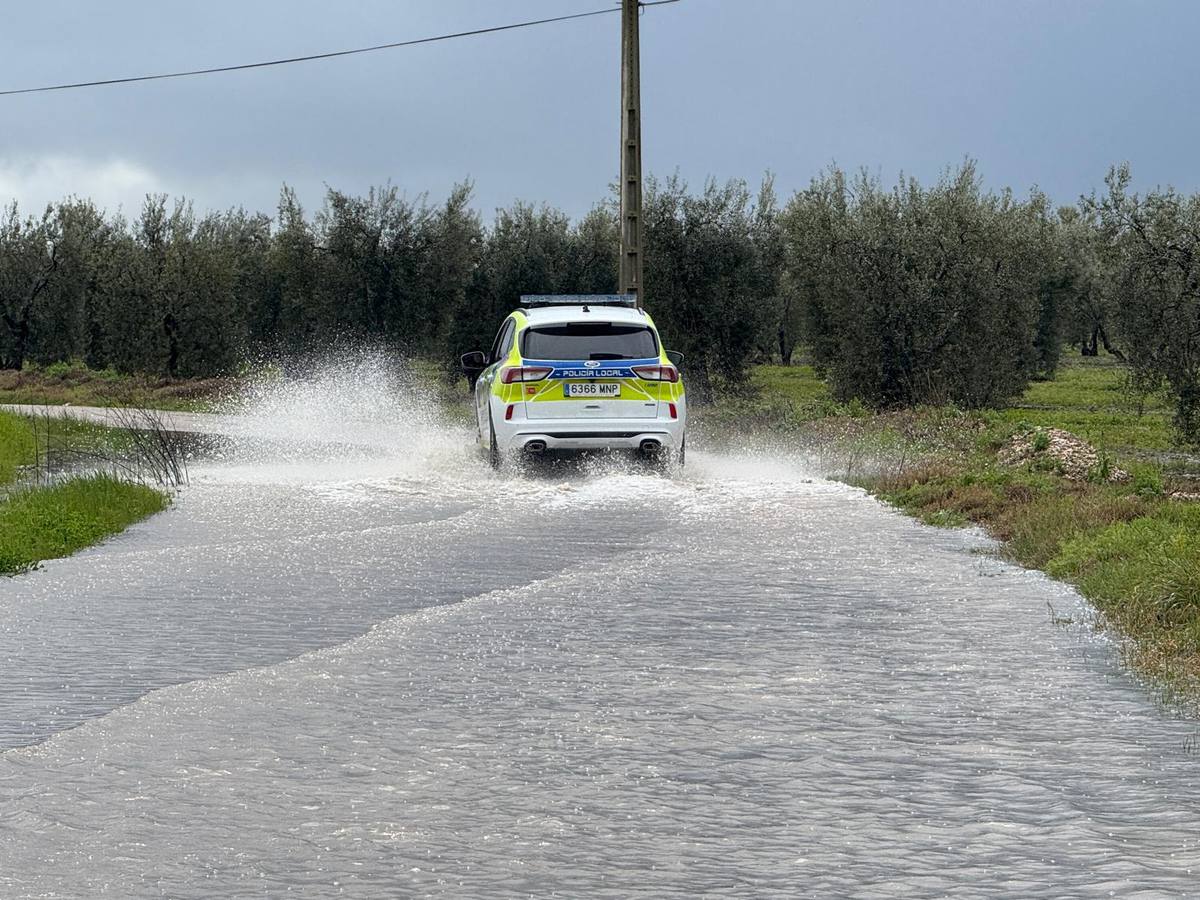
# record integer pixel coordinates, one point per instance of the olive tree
(706, 277)
(30, 255)
(1154, 243)
(919, 295)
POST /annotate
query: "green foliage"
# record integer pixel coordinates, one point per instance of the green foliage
(907, 295)
(710, 275)
(1080, 286)
(772, 398)
(920, 295)
(1090, 383)
(178, 295)
(60, 368)
(46, 523)
(532, 250)
(1034, 530)
(1145, 575)
(1154, 264)
(1100, 472)
(17, 445)
(1146, 480)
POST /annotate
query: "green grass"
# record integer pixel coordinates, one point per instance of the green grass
(1105, 429)
(1144, 575)
(17, 445)
(1090, 397)
(26, 440)
(454, 398)
(799, 384)
(50, 522)
(39, 523)
(1096, 382)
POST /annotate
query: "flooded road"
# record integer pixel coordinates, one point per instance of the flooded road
(391, 672)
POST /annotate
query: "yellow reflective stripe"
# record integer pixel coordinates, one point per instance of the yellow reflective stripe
(518, 392)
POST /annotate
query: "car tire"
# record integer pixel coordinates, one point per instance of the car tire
(495, 457)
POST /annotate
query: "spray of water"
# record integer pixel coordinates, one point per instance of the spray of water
(340, 417)
(370, 416)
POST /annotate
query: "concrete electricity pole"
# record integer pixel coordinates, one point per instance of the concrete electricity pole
(630, 281)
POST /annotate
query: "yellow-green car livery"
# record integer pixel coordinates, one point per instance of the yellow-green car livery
(578, 373)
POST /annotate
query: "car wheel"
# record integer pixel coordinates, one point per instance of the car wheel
(495, 457)
(682, 452)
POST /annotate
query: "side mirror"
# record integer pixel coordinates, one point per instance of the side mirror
(676, 358)
(473, 364)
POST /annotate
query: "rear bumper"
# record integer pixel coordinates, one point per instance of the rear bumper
(594, 441)
(589, 434)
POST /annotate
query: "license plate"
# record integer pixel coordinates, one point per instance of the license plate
(592, 389)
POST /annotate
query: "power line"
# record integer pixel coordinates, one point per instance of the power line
(316, 56)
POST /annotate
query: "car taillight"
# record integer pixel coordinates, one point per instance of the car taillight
(509, 374)
(657, 373)
(674, 410)
(508, 413)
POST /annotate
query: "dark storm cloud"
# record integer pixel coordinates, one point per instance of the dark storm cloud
(1045, 93)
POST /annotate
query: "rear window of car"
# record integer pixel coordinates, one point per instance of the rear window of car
(589, 340)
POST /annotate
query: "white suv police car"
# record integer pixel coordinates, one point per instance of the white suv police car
(578, 373)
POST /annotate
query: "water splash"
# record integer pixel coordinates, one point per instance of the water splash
(349, 416)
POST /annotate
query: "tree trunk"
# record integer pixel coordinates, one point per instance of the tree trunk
(1111, 350)
(171, 329)
(785, 347)
(19, 330)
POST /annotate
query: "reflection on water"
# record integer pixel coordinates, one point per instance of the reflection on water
(593, 681)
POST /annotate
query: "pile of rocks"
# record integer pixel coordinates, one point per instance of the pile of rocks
(1071, 455)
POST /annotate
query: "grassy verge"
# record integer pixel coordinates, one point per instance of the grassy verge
(78, 385)
(39, 522)
(17, 445)
(1128, 546)
(49, 522)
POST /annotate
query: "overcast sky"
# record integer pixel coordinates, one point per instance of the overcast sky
(1045, 92)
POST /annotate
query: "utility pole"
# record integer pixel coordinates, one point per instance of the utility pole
(630, 281)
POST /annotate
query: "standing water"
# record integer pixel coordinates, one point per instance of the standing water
(353, 660)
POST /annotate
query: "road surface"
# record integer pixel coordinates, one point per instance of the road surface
(391, 672)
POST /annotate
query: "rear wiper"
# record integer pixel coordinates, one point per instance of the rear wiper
(608, 356)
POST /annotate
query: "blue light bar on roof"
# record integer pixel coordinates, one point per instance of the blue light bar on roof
(532, 300)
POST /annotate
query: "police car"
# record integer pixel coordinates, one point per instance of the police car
(578, 373)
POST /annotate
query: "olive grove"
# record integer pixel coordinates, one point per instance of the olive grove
(900, 295)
